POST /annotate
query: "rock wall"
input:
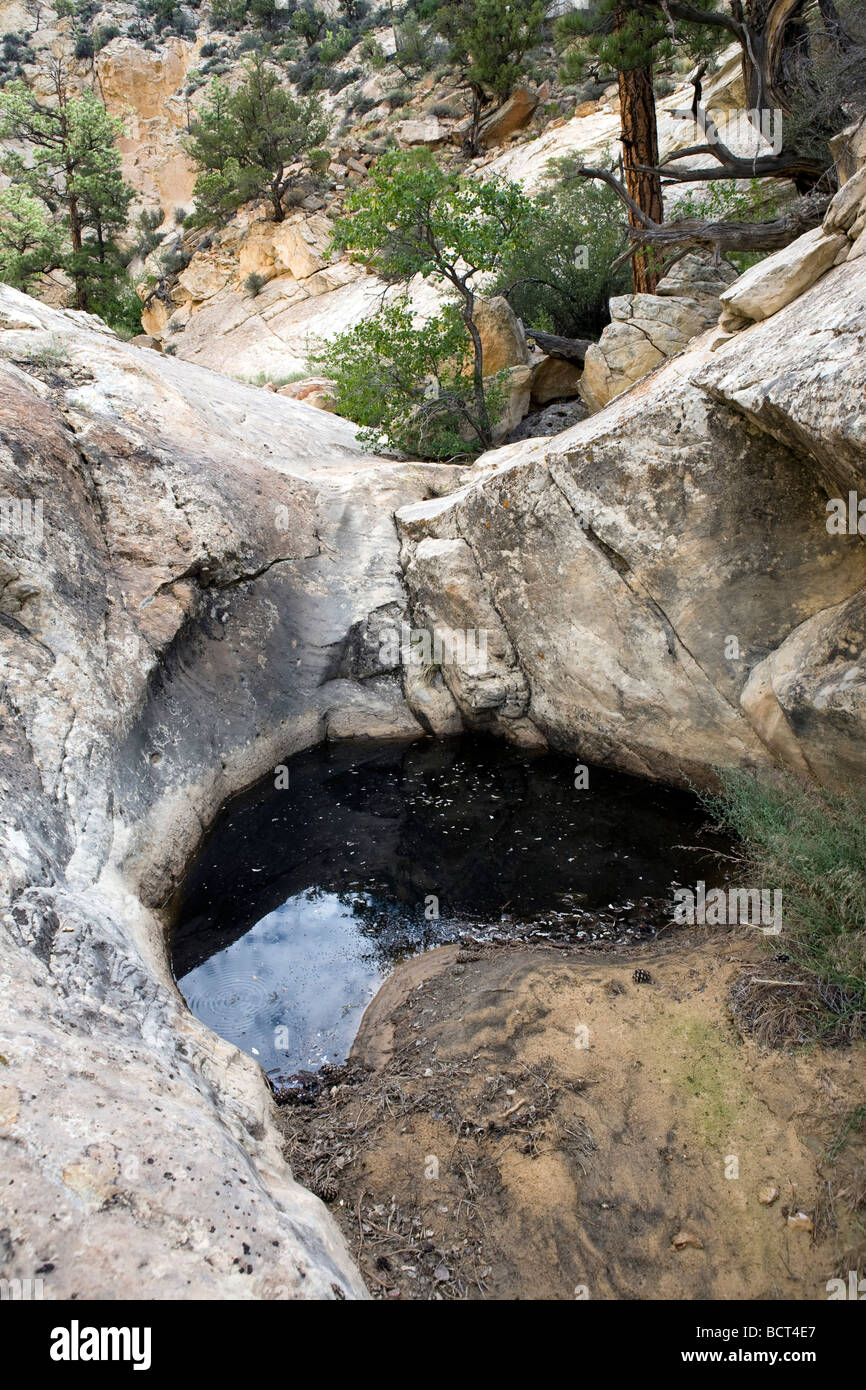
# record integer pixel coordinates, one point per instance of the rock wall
(667, 594)
(190, 611)
(208, 589)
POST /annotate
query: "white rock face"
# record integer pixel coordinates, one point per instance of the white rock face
(189, 612)
(774, 282)
(647, 328)
(663, 570)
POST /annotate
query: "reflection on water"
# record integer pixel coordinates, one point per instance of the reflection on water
(303, 899)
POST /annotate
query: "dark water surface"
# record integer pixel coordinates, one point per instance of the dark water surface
(304, 899)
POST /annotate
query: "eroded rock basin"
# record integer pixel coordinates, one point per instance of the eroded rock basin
(355, 857)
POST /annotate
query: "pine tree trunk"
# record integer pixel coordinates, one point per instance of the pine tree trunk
(81, 301)
(640, 144)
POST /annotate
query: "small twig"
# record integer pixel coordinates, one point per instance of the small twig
(506, 1113)
(788, 984)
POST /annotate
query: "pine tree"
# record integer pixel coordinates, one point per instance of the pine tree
(245, 141)
(489, 41)
(30, 244)
(631, 36)
(74, 170)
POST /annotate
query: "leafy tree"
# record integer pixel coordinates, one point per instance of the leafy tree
(74, 170)
(309, 24)
(406, 383)
(30, 243)
(560, 276)
(489, 41)
(244, 141)
(414, 218)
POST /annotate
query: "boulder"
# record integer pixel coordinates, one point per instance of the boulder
(847, 205)
(512, 116)
(517, 383)
(555, 380)
(315, 390)
(849, 149)
(778, 279)
(429, 132)
(503, 342)
(145, 340)
(647, 328)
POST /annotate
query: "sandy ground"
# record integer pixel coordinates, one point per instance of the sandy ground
(536, 1124)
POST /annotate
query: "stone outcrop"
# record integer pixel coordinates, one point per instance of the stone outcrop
(663, 574)
(781, 278)
(190, 610)
(503, 341)
(512, 116)
(647, 328)
(208, 592)
(429, 132)
(775, 281)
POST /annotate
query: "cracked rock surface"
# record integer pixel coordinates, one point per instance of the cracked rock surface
(212, 587)
(182, 621)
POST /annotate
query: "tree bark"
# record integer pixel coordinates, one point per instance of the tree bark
(640, 157)
(731, 236)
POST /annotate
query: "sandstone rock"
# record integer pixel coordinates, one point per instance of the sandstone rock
(517, 383)
(555, 380)
(316, 390)
(204, 277)
(847, 205)
(503, 342)
(774, 282)
(516, 112)
(849, 149)
(144, 88)
(429, 132)
(645, 329)
(144, 340)
(604, 556)
(695, 277)
(174, 636)
(801, 376)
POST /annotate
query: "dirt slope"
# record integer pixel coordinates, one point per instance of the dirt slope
(491, 1156)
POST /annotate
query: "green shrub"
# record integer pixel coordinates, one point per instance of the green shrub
(408, 385)
(810, 844)
(400, 96)
(104, 34)
(254, 284)
(335, 45)
(561, 276)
